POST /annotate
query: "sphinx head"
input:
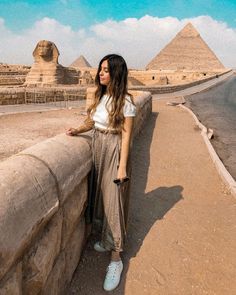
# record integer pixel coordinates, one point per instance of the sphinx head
(46, 51)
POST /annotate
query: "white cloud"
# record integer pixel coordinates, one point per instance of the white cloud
(138, 40)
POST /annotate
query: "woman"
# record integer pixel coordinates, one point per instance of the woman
(111, 119)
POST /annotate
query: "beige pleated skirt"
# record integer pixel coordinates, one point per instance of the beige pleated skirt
(108, 203)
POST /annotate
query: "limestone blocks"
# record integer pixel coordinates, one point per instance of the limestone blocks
(12, 284)
(90, 96)
(41, 215)
(163, 80)
(85, 78)
(28, 200)
(186, 51)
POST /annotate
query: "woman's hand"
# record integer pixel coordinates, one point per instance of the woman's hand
(88, 125)
(72, 131)
(121, 176)
(121, 173)
(125, 143)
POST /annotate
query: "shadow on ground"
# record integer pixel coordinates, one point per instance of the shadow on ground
(145, 210)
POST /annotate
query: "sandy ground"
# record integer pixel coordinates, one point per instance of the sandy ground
(22, 130)
(182, 233)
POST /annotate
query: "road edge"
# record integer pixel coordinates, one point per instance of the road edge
(223, 172)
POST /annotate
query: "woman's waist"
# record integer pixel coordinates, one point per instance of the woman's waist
(104, 129)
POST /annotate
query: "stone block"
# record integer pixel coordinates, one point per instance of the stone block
(72, 210)
(69, 159)
(39, 261)
(90, 96)
(28, 200)
(73, 250)
(144, 109)
(55, 284)
(13, 284)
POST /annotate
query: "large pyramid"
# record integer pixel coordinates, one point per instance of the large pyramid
(80, 62)
(186, 51)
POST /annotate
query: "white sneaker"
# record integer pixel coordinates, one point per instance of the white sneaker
(99, 247)
(112, 279)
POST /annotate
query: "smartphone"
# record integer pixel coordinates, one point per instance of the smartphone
(122, 180)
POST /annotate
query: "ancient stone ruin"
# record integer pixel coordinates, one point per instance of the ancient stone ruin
(85, 78)
(87, 73)
(46, 70)
(187, 51)
(12, 74)
(187, 58)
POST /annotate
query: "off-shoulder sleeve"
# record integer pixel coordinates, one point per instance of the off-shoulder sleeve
(129, 108)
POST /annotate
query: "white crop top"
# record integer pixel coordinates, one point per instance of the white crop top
(101, 116)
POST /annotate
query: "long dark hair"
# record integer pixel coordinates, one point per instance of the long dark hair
(117, 89)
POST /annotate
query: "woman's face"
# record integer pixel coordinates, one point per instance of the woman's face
(104, 74)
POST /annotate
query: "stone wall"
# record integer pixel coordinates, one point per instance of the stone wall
(11, 79)
(172, 77)
(13, 74)
(22, 95)
(157, 89)
(43, 193)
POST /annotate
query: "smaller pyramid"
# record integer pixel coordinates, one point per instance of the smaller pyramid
(186, 51)
(81, 62)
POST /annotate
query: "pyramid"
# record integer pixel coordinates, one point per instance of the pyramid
(81, 62)
(186, 51)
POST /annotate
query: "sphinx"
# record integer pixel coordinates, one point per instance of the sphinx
(46, 70)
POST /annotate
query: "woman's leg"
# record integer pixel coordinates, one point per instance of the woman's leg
(110, 203)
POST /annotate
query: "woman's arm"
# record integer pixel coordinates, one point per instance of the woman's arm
(88, 125)
(125, 146)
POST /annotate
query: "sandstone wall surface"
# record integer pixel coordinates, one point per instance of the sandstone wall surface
(43, 193)
(9, 96)
(13, 74)
(172, 88)
(164, 77)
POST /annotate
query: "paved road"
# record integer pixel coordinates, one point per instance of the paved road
(195, 89)
(216, 108)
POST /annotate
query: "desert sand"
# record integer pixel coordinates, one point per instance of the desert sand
(22, 130)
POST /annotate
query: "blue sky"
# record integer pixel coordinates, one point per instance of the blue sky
(20, 14)
(136, 29)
